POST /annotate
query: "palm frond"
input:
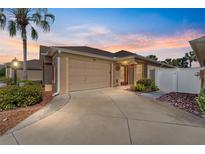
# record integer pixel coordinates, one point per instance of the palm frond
(41, 10)
(2, 20)
(36, 18)
(49, 17)
(45, 25)
(12, 28)
(12, 11)
(34, 33)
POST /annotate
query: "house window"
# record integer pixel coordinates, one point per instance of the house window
(152, 74)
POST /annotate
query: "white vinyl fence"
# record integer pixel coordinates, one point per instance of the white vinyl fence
(186, 80)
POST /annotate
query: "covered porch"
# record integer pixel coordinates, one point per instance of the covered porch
(128, 71)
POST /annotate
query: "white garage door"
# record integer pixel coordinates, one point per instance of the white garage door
(88, 75)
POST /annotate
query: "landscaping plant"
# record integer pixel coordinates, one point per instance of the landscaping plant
(139, 87)
(146, 82)
(29, 82)
(144, 85)
(201, 100)
(14, 96)
(8, 81)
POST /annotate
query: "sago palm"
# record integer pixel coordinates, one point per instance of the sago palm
(23, 20)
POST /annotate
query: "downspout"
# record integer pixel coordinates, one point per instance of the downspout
(58, 74)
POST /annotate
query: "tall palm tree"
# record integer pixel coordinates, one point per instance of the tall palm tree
(191, 57)
(20, 19)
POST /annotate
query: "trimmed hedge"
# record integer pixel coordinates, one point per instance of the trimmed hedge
(15, 96)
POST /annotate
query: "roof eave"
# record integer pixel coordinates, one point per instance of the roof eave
(84, 54)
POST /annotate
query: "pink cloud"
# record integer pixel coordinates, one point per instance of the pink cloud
(137, 42)
(12, 47)
(99, 37)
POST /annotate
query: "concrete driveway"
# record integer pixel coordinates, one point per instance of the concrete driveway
(112, 116)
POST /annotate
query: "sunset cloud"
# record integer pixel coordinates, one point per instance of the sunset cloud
(146, 42)
(12, 47)
(97, 36)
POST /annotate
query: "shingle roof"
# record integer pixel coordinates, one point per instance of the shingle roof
(119, 54)
(86, 49)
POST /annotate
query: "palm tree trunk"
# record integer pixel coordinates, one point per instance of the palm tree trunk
(190, 63)
(25, 76)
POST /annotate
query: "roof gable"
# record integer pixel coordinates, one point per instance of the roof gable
(123, 53)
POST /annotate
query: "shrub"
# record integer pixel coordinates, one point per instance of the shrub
(149, 84)
(8, 81)
(201, 100)
(29, 82)
(139, 87)
(153, 87)
(146, 82)
(2, 72)
(14, 96)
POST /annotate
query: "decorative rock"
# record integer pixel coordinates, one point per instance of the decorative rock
(183, 101)
(4, 119)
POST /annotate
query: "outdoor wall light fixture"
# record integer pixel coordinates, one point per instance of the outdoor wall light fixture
(14, 66)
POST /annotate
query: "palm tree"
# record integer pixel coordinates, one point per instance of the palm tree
(191, 57)
(152, 57)
(20, 19)
(179, 62)
(167, 61)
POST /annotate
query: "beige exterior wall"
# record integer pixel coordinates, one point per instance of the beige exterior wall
(118, 74)
(9, 73)
(63, 74)
(138, 72)
(35, 75)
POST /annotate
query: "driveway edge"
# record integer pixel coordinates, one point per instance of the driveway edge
(56, 104)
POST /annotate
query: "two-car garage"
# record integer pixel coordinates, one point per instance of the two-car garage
(80, 73)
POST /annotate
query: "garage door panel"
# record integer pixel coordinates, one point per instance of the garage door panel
(88, 75)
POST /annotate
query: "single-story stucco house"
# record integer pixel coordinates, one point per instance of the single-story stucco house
(73, 68)
(34, 69)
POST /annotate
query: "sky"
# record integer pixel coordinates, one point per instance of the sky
(162, 32)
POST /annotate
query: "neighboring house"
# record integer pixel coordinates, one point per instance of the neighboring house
(73, 68)
(198, 46)
(1, 66)
(34, 69)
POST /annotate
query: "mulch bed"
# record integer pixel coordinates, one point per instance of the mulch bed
(10, 118)
(183, 101)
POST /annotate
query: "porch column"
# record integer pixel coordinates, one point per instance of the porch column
(135, 71)
(67, 74)
(112, 75)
